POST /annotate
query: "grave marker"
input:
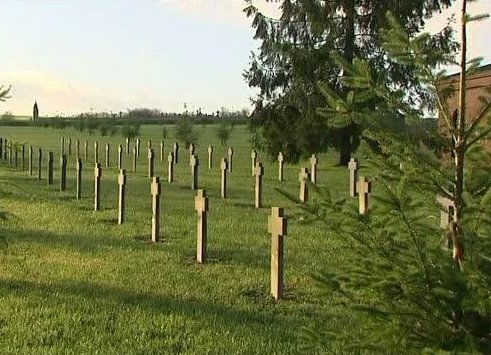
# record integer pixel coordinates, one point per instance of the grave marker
(353, 176)
(30, 160)
(10, 152)
(5, 149)
(86, 151)
(364, 187)
(313, 169)
(277, 226)
(50, 168)
(150, 162)
(23, 157)
(223, 168)
(97, 186)
(127, 145)
(253, 160)
(161, 151)
(62, 145)
(230, 155)
(77, 147)
(69, 146)
(201, 206)
(191, 151)
(63, 172)
(40, 159)
(149, 144)
(176, 151)
(120, 157)
(258, 172)
(1, 147)
(79, 178)
(210, 157)
(170, 169)
(155, 191)
(108, 151)
(122, 192)
(96, 152)
(303, 177)
(134, 158)
(280, 166)
(194, 163)
(138, 147)
(15, 155)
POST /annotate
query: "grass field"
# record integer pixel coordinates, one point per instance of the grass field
(73, 281)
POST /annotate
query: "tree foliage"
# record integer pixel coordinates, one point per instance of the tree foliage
(295, 52)
(184, 131)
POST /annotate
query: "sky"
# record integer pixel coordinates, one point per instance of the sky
(112, 55)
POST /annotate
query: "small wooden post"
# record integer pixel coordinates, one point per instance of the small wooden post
(364, 187)
(127, 145)
(155, 191)
(96, 152)
(280, 166)
(161, 151)
(313, 168)
(134, 158)
(63, 172)
(253, 161)
(69, 146)
(194, 163)
(191, 151)
(50, 168)
(97, 186)
(77, 147)
(62, 145)
(15, 155)
(150, 162)
(23, 157)
(108, 153)
(353, 176)
(122, 191)
(40, 161)
(170, 169)
(138, 147)
(5, 149)
(210, 157)
(277, 226)
(303, 177)
(201, 206)
(230, 155)
(1, 148)
(176, 152)
(120, 157)
(223, 168)
(79, 178)
(30, 160)
(86, 151)
(259, 171)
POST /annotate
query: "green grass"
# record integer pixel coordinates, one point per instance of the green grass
(73, 281)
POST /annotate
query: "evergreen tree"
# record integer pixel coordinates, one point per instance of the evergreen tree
(295, 53)
(410, 294)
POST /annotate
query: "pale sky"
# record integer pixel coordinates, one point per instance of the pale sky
(110, 55)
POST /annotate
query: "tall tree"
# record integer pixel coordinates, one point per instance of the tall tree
(295, 53)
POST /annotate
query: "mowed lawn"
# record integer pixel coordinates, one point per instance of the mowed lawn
(74, 281)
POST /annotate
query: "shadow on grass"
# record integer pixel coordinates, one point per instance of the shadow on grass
(164, 305)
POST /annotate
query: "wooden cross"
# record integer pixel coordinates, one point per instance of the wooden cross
(303, 177)
(194, 162)
(161, 151)
(77, 147)
(137, 147)
(134, 159)
(79, 178)
(364, 187)
(313, 167)
(107, 154)
(5, 150)
(155, 191)
(50, 168)
(63, 172)
(176, 151)
(86, 151)
(446, 211)
(122, 192)
(62, 145)
(201, 207)
(127, 145)
(1, 147)
(191, 150)
(96, 152)
(150, 162)
(230, 154)
(40, 160)
(353, 175)
(149, 144)
(210, 157)
(280, 166)
(223, 168)
(253, 161)
(258, 172)
(22, 157)
(69, 146)
(30, 160)
(97, 186)
(277, 226)
(120, 157)
(170, 169)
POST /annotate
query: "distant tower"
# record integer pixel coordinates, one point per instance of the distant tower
(35, 112)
